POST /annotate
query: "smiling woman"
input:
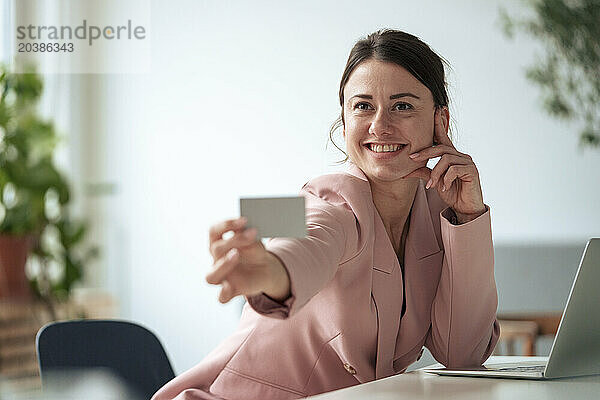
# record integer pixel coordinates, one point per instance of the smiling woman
(389, 264)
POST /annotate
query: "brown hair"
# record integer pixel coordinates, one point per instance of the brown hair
(403, 49)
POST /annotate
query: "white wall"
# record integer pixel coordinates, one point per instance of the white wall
(239, 103)
(5, 20)
(6, 23)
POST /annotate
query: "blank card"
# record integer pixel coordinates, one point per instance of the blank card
(275, 216)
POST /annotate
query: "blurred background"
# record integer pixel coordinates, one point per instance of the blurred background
(237, 100)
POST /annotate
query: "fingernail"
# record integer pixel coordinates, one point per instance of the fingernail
(232, 253)
(250, 233)
(443, 188)
(428, 184)
(209, 277)
(224, 295)
(414, 155)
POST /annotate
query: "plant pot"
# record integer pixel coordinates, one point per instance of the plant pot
(13, 256)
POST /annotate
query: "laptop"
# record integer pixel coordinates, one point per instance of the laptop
(576, 347)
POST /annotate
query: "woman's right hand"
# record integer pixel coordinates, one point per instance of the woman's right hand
(242, 265)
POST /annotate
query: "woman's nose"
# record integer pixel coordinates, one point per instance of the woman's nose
(380, 125)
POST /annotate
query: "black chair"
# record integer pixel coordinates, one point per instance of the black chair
(129, 351)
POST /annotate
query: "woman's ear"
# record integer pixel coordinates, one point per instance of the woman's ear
(445, 114)
(435, 115)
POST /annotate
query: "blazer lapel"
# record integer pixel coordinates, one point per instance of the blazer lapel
(386, 290)
(421, 236)
(423, 261)
(387, 286)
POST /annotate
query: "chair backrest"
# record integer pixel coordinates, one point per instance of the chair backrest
(128, 350)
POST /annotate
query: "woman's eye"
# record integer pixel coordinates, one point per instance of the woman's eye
(362, 106)
(403, 106)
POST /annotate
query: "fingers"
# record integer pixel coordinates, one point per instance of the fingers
(227, 292)
(466, 173)
(446, 162)
(436, 151)
(226, 254)
(216, 231)
(240, 239)
(223, 267)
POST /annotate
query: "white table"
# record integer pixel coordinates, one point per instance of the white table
(418, 385)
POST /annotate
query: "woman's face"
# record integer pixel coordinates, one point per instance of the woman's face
(388, 114)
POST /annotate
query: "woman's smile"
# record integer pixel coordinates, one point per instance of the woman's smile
(385, 151)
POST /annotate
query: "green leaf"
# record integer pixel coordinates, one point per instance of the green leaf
(541, 75)
(506, 23)
(73, 273)
(71, 233)
(5, 115)
(589, 138)
(28, 88)
(556, 106)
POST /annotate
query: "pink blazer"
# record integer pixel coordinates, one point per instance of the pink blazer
(344, 323)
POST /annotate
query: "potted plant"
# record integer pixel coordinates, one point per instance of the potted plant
(567, 74)
(34, 200)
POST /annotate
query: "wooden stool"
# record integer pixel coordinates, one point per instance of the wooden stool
(20, 321)
(526, 327)
(510, 331)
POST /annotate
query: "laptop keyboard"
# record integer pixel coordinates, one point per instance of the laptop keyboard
(532, 368)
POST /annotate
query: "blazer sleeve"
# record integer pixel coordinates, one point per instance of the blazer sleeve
(312, 261)
(464, 329)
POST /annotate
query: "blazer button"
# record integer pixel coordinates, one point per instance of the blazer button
(350, 368)
(420, 353)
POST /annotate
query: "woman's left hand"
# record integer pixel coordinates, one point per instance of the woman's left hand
(455, 176)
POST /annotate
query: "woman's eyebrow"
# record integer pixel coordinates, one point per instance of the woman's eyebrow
(406, 94)
(392, 97)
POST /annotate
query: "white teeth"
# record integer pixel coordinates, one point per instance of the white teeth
(377, 148)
